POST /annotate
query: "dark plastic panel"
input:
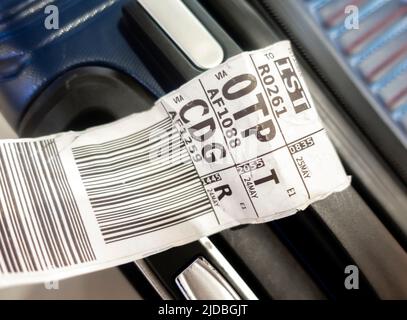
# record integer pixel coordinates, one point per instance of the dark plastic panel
(31, 56)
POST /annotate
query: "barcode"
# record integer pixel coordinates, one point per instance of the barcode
(141, 183)
(40, 224)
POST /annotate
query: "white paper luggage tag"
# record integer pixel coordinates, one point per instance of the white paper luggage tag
(241, 143)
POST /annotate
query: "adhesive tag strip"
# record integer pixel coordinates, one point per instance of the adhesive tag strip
(241, 143)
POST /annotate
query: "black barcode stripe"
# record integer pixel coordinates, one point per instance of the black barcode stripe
(13, 215)
(149, 221)
(127, 140)
(137, 146)
(53, 207)
(7, 251)
(64, 193)
(153, 215)
(58, 229)
(43, 232)
(151, 189)
(140, 204)
(69, 230)
(137, 179)
(138, 150)
(16, 206)
(139, 200)
(141, 183)
(116, 145)
(32, 213)
(41, 206)
(143, 203)
(11, 204)
(146, 167)
(40, 223)
(141, 155)
(85, 242)
(149, 207)
(163, 225)
(62, 196)
(116, 163)
(29, 254)
(129, 172)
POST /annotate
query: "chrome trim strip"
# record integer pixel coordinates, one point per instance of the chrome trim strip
(201, 281)
(188, 33)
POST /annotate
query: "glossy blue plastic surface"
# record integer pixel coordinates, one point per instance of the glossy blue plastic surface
(31, 56)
